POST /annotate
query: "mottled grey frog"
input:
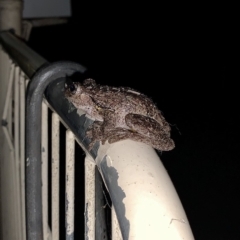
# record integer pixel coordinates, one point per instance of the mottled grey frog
(119, 113)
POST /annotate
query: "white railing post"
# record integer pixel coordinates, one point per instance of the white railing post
(55, 176)
(11, 15)
(45, 169)
(70, 171)
(16, 150)
(11, 152)
(89, 198)
(10, 18)
(22, 151)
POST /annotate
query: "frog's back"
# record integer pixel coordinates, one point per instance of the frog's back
(131, 100)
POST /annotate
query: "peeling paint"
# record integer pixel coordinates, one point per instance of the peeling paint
(109, 161)
(178, 220)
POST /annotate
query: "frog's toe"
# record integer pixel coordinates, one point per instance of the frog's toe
(89, 133)
(91, 145)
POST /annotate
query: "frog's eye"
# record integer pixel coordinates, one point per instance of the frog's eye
(72, 88)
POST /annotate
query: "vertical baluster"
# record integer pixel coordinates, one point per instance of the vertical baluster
(55, 176)
(22, 152)
(116, 232)
(89, 198)
(7, 112)
(70, 169)
(10, 105)
(16, 152)
(45, 169)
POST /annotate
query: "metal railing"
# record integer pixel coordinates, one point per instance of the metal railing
(37, 178)
(144, 202)
(14, 112)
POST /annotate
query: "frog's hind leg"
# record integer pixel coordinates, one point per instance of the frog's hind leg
(151, 132)
(161, 144)
(117, 134)
(145, 125)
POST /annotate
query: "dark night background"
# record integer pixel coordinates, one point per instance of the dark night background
(186, 63)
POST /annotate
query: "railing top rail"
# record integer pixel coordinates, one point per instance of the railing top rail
(27, 59)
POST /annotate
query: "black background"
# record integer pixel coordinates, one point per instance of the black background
(184, 58)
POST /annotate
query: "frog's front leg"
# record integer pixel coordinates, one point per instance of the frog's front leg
(94, 132)
(99, 129)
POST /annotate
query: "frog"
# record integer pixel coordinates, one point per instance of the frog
(119, 113)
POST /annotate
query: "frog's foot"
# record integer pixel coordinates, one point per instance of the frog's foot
(91, 144)
(123, 134)
(94, 132)
(119, 134)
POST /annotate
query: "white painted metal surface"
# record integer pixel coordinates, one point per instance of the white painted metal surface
(11, 15)
(16, 148)
(10, 18)
(7, 108)
(55, 176)
(89, 198)
(22, 88)
(70, 170)
(116, 232)
(142, 193)
(45, 169)
(12, 157)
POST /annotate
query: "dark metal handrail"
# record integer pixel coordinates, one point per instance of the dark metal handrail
(35, 92)
(28, 60)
